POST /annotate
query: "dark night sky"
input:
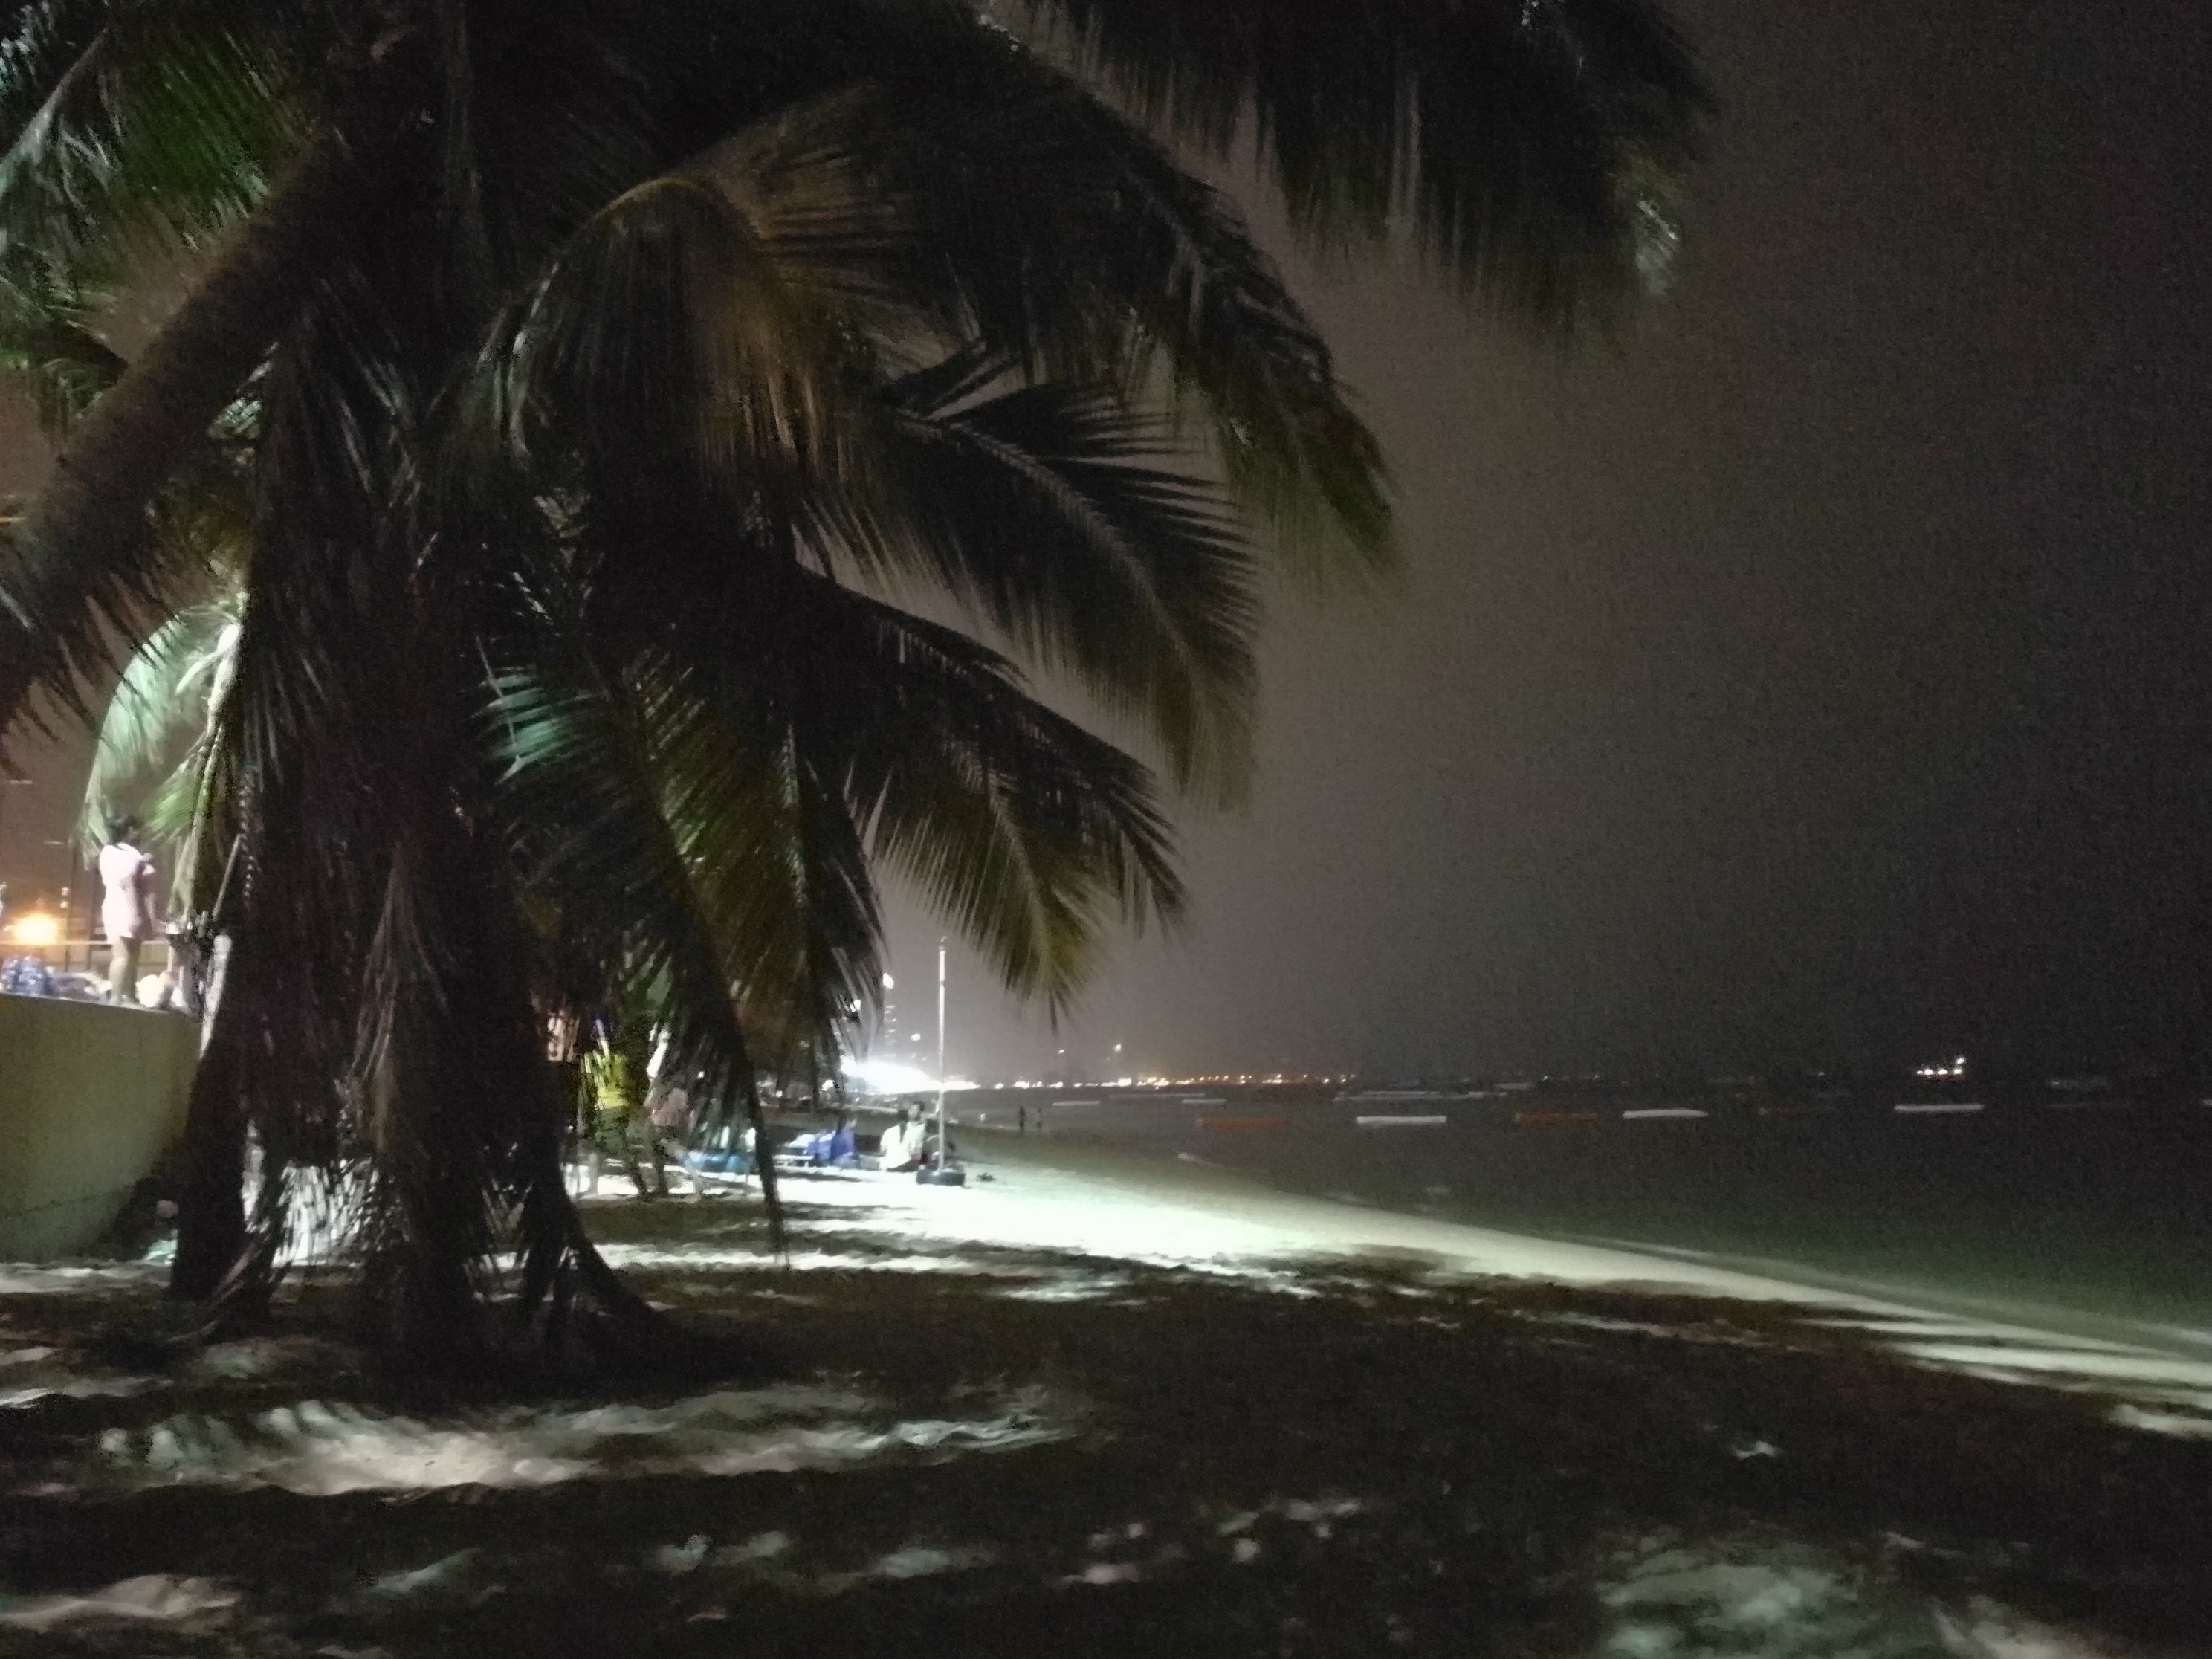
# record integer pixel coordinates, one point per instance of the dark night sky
(1819, 676)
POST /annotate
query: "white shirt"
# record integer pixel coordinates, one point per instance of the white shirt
(127, 875)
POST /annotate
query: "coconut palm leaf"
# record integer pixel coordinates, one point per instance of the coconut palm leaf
(579, 792)
(674, 351)
(1054, 513)
(128, 122)
(782, 875)
(542, 120)
(159, 715)
(1534, 144)
(1048, 508)
(79, 569)
(46, 349)
(1079, 246)
(1027, 831)
(1053, 230)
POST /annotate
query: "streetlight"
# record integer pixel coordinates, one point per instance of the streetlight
(36, 927)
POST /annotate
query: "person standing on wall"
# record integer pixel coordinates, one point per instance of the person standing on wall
(126, 909)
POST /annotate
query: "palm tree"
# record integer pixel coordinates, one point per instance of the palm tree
(160, 720)
(612, 384)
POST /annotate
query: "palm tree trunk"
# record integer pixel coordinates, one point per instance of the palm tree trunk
(81, 548)
(211, 1204)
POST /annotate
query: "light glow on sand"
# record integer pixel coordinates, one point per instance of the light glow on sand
(1775, 1595)
(316, 1448)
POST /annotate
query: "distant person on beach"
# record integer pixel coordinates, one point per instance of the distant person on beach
(619, 1123)
(900, 1146)
(126, 909)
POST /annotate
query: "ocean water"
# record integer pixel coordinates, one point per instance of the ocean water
(2102, 1208)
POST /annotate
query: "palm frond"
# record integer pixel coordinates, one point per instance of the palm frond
(79, 569)
(579, 790)
(1041, 223)
(541, 123)
(160, 712)
(128, 122)
(782, 877)
(686, 339)
(1030, 833)
(602, 359)
(1026, 832)
(1052, 510)
(1079, 246)
(775, 874)
(1535, 144)
(48, 348)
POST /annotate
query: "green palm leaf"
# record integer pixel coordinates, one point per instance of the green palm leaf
(1534, 144)
(46, 348)
(127, 122)
(162, 714)
(1048, 508)
(1049, 229)
(1028, 832)
(578, 788)
(679, 335)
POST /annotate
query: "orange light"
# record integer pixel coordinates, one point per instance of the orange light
(36, 927)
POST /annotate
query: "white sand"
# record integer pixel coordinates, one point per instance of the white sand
(1061, 1195)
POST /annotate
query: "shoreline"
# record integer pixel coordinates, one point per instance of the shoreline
(1766, 1277)
(1105, 1200)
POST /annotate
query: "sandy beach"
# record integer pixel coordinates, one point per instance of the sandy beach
(1100, 1402)
(1089, 1199)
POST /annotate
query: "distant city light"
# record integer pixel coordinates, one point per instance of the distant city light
(891, 1077)
(886, 1077)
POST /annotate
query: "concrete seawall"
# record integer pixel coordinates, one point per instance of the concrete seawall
(90, 1098)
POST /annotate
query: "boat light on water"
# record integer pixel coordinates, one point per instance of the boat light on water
(1661, 1111)
(1945, 1107)
(1382, 1121)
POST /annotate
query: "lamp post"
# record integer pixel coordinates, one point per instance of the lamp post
(940, 1059)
